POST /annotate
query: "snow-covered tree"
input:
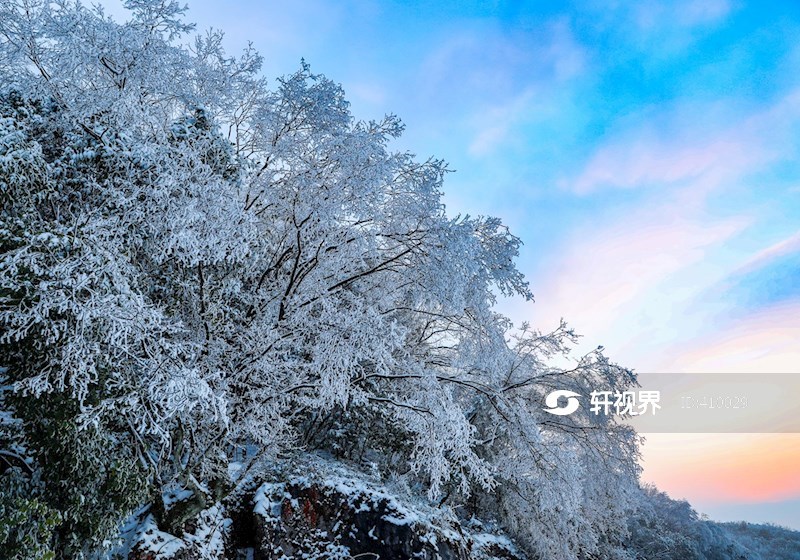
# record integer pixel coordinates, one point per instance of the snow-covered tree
(197, 267)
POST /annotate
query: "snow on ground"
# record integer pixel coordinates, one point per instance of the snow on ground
(147, 537)
(365, 492)
(140, 533)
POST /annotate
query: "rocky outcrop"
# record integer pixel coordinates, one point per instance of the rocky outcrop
(307, 519)
(327, 518)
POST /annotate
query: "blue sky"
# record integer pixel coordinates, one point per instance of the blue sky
(646, 153)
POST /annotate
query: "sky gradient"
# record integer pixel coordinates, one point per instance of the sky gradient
(647, 155)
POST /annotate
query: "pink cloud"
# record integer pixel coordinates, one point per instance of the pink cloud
(683, 151)
(782, 248)
(627, 284)
(647, 161)
(765, 340)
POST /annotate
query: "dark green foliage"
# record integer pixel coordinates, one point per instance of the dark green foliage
(27, 522)
(90, 475)
(65, 486)
(79, 484)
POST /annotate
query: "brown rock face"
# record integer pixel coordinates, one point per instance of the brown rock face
(309, 520)
(341, 519)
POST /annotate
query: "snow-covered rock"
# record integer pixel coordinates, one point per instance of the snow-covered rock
(342, 519)
(332, 514)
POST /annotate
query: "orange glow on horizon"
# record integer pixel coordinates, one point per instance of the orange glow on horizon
(724, 468)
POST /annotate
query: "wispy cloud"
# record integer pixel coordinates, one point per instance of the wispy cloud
(475, 60)
(764, 257)
(686, 13)
(625, 282)
(494, 125)
(661, 28)
(649, 161)
(679, 148)
(493, 80)
(764, 340)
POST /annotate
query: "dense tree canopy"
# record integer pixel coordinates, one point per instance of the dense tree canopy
(198, 268)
